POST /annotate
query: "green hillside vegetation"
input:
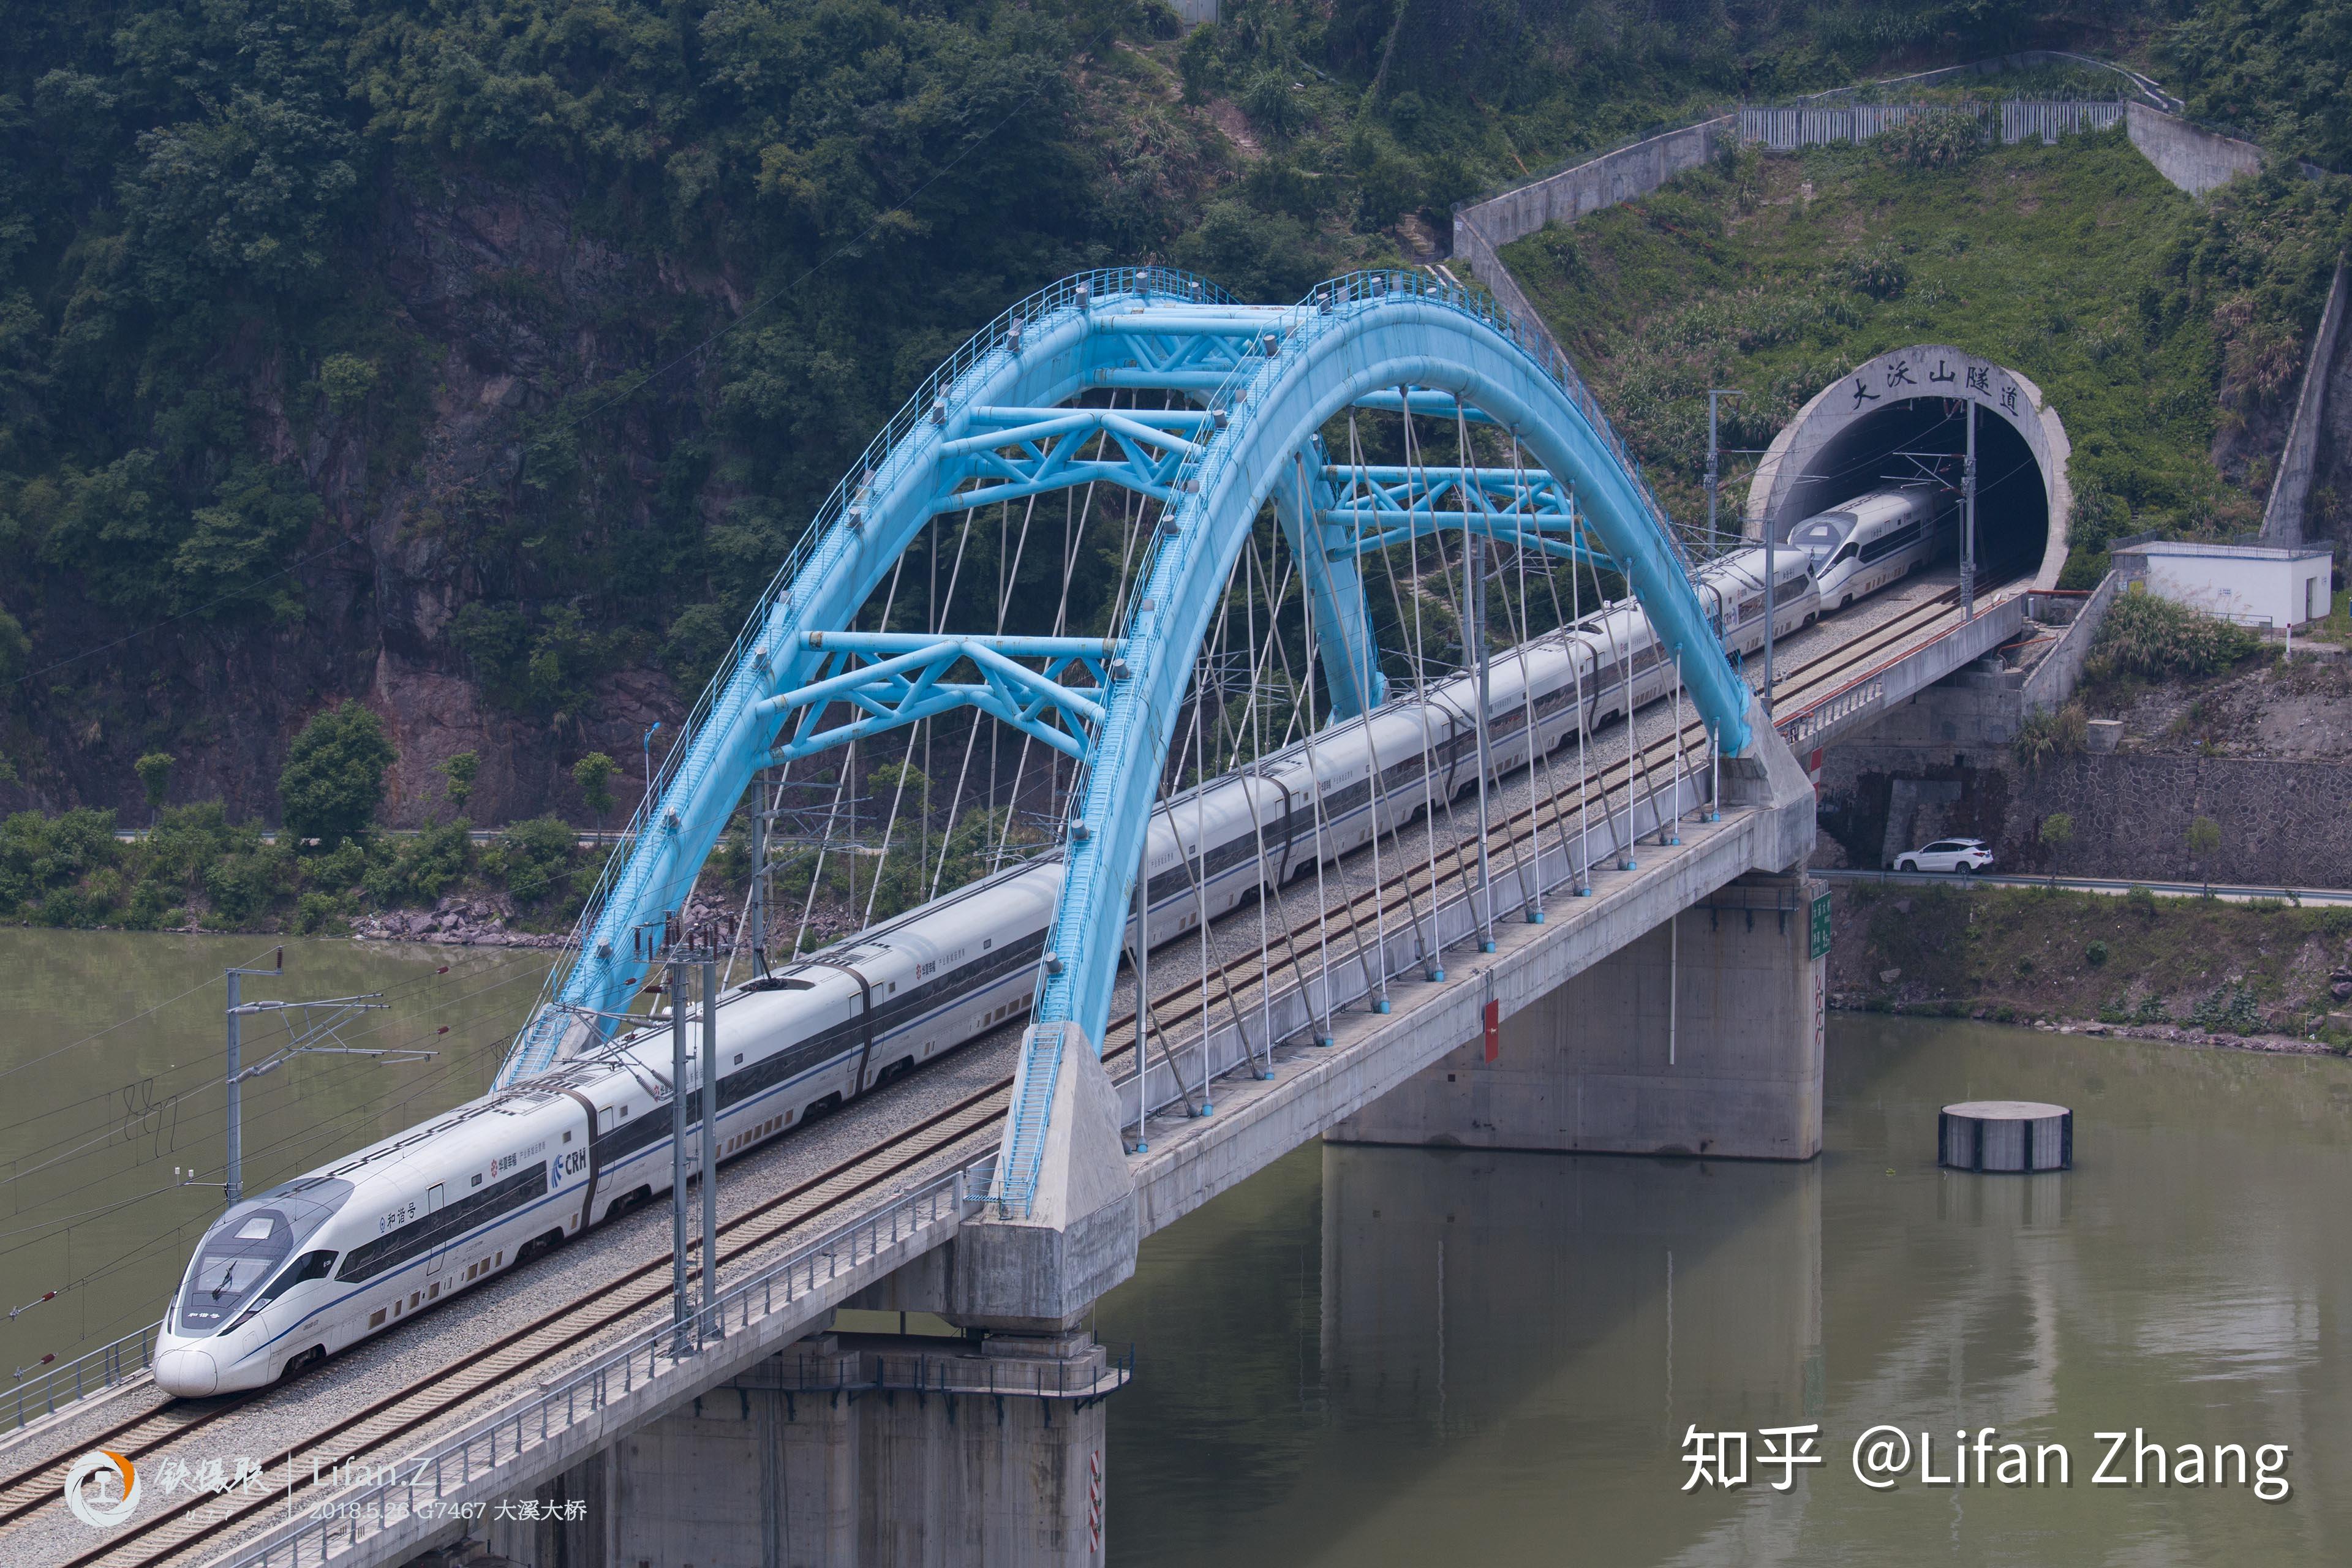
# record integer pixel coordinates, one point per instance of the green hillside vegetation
(245, 245)
(2169, 333)
(483, 361)
(2276, 70)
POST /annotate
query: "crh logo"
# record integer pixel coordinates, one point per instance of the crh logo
(86, 1500)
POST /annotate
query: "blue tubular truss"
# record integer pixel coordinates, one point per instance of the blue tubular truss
(1367, 509)
(997, 421)
(905, 687)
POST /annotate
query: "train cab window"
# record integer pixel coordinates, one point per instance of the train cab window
(230, 1266)
(309, 1265)
(1843, 555)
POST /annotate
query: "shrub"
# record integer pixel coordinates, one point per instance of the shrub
(1881, 274)
(1941, 139)
(2157, 639)
(2048, 734)
(419, 868)
(536, 856)
(346, 379)
(2141, 902)
(2095, 954)
(154, 771)
(1273, 105)
(593, 774)
(334, 779)
(242, 886)
(41, 856)
(150, 904)
(2230, 1009)
(318, 912)
(458, 772)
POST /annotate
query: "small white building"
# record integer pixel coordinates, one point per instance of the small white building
(2253, 584)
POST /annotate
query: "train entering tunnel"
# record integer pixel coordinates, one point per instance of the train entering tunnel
(1904, 416)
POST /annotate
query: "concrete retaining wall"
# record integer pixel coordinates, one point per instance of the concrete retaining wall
(1471, 247)
(2281, 822)
(1605, 181)
(2283, 514)
(2053, 680)
(2192, 157)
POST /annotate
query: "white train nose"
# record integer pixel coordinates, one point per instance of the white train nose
(189, 1374)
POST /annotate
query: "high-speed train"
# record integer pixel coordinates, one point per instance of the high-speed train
(297, 1273)
(1861, 545)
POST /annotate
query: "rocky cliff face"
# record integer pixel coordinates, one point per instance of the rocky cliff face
(503, 307)
(522, 311)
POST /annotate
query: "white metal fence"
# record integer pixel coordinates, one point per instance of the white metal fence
(2015, 120)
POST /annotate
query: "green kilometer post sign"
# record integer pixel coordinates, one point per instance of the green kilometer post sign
(1820, 926)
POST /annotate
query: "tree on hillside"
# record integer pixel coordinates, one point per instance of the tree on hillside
(334, 780)
(2204, 838)
(154, 771)
(458, 775)
(2057, 832)
(593, 774)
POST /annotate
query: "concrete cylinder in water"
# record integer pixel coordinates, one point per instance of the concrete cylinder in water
(2005, 1135)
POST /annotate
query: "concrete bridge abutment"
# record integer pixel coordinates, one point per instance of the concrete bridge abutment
(1702, 1037)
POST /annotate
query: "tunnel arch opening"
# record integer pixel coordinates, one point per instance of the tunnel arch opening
(1903, 416)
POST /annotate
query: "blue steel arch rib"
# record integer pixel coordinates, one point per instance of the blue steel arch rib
(1357, 338)
(988, 425)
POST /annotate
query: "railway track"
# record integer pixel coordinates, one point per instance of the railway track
(367, 1433)
(1348, 925)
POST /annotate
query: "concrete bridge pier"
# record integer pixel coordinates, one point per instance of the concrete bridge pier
(848, 1451)
(1703, 1036)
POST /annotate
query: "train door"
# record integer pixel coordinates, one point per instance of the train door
(433, 1201)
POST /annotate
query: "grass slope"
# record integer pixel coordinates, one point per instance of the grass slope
(2167, 333)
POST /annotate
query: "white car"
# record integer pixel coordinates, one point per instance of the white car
(1963, 854)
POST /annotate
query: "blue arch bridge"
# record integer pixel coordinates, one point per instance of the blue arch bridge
(1609, 945)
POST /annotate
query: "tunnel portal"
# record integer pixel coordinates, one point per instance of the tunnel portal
(1902, 415)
